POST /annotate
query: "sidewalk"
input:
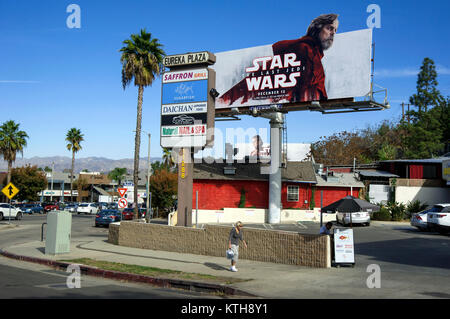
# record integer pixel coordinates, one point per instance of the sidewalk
(268, 280)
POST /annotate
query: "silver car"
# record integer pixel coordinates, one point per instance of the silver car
(355, 218)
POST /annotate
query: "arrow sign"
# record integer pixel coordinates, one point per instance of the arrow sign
(122, 191)
(10, 190)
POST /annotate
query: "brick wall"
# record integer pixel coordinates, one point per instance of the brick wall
(263, 245)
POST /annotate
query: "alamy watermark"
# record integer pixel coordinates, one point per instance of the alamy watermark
(374, 20)
(73, 21)
(374, 280)
(74, 279)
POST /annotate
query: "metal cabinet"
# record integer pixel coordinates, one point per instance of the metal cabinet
(59, 227)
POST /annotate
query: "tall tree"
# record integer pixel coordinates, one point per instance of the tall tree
(118, 174)
(427, 93)
(30, 180)
(74, 137)
(141, 60)
(12, 141)
(426, 132)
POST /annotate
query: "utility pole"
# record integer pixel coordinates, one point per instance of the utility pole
(51, 192)
(147, 216)
(403, 111)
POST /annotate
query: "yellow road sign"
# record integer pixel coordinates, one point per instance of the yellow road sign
(10, 190)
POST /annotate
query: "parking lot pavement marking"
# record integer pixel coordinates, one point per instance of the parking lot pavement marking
(301, 226)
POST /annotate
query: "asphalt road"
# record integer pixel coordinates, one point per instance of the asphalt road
(31, 281)
(402, 252)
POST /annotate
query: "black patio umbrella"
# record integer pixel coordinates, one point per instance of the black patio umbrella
(350, 204)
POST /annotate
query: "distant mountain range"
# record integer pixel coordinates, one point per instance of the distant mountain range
(92, 164)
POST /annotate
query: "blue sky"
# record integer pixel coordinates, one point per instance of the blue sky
(53, 78)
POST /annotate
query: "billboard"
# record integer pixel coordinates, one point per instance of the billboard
(185, 117)
(296, 152)
(292, 71)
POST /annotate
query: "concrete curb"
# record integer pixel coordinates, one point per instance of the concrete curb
(111, 274)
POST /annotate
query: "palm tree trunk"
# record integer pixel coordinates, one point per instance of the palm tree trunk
(71, 175)
(137, 146)
(8, 180)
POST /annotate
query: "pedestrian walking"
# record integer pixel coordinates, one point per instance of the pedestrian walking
(233, 244)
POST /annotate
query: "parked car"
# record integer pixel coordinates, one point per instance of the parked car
(439, 218)
(355, 218)
(419, 220)
(32, 209)
(50, 207)
(128, 213)
(6, 210)
(87, 208)
(107, 216)
(113, 206)
(71, 208)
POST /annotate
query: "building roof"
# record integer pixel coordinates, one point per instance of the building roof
(437, 160)
(339, 180)
(60, 176)
(294, 172)
(101, 191)
(377, 174)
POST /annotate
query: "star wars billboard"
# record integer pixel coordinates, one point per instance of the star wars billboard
(321, 65)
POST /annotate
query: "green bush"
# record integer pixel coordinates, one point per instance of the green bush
(398, 211)
(414, 207)
(242, 200)
(383, 214)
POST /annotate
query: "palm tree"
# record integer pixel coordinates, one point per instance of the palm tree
(74, 137)
(141, 60)
(11, 141)
(167, 158)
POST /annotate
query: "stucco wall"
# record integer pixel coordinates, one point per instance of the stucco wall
(263, 245)
(430, 195)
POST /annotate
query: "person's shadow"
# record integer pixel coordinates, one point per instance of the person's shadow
(215, 266)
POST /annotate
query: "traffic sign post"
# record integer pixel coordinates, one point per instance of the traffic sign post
(122, 191)
(10, 191)
(123, 203)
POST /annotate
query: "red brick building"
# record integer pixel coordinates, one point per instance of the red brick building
(220, 185)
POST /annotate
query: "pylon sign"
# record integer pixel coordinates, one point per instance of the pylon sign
(10, 190)
(122, 191)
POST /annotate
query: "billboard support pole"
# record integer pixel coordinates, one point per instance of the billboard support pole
(276, 125)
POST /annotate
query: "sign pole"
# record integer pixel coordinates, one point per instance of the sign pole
(321, 205)
(9, 220)
(185, 187)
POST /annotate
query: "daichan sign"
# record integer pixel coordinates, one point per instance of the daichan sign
(320, 65)
(187, 109)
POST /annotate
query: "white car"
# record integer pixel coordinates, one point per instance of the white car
(355, 218)
(87, 208)
(419, 220)
(438, 219)
(5, 210)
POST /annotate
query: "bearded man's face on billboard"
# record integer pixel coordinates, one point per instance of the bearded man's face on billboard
(326, 35)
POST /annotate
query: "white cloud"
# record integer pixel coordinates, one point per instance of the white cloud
(18, 81)
(406, 72)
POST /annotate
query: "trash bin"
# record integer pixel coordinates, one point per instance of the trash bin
(59, 226)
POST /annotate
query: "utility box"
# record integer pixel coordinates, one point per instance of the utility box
(59, 227)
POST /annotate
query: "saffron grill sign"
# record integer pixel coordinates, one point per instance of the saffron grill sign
(184, 108)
